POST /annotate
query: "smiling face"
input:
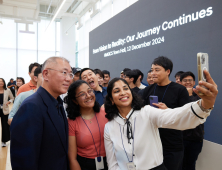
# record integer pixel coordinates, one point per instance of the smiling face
(159, 74)
(188, 82)
(57, 83)
(90, 77)
(1, 83)
(19, 82)
(149, 79)
(100, 80)
(121, 95)
(85, 96)
(106, 78)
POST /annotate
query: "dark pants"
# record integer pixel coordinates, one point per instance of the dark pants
(191, 151)
(89, 164)
(5, 127)
(173, 160)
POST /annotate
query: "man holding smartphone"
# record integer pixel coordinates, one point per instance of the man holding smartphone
(170, 95)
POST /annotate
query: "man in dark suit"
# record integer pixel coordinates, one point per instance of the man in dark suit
(39, 131)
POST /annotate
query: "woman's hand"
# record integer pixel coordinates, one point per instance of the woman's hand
(160, 105)
(8, 103)
(208, 95)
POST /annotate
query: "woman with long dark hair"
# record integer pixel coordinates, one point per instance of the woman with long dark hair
(19, 82)
(5, 95)
(131, 136)
(86, 128)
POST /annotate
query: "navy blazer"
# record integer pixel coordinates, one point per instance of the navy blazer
(39, 139)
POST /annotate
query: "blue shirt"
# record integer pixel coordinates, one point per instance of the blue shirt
(18, 101)
(100, 96)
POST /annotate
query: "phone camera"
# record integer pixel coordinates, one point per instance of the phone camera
(151, 98)
(203, 59)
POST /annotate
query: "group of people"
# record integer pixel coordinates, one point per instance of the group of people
(111, 123)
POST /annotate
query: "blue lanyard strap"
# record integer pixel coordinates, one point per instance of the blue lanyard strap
(164, 92)
(132, 144)
(98, 154)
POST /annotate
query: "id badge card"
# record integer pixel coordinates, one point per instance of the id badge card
(131, 166)
(99, 163)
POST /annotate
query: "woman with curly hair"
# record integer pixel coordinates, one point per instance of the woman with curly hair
(132, 139)
(86, 128)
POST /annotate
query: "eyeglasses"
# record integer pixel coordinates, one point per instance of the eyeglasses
(187, 80)
(64, 73)
(83, 95)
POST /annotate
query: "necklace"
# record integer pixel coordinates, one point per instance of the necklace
(90, 121)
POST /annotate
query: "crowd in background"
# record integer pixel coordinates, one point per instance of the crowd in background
(110, 124)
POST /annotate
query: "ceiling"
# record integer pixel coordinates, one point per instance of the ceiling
(29, 11)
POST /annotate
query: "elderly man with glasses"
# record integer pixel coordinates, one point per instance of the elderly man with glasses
(39, 130)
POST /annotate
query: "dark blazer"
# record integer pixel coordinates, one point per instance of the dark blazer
(39, 135)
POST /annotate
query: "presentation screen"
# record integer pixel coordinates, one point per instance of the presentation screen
(175, 29)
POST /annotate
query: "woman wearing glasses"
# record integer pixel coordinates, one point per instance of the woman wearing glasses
(131, 136)
(86, 128)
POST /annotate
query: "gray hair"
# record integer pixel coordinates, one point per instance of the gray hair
(53, 60)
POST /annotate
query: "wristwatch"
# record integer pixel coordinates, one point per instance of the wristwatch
(202, 108)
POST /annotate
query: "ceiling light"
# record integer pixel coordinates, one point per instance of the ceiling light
(60, 7)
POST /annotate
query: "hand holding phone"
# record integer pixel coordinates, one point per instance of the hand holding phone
(153, 99)
(202, 64)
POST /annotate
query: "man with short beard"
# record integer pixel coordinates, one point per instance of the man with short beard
(90, 77)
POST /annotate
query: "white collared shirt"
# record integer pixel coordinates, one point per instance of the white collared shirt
(147, 144)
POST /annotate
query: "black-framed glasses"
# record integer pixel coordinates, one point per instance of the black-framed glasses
(83, 95)
(187, 80)
(64, 73)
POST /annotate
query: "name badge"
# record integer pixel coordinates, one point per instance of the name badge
(99, 163)
(131, 166)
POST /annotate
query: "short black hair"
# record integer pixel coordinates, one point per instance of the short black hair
(126, 69)
(132, 74)
(149, 71)
(139, 73)
(98, 71)
(4, 86)
(106, 72)
(178, 73)
(37, 71)
(33, 65)
(188, 73)
(165, 62)
(84, 69)
(111, 109)
(73, 109)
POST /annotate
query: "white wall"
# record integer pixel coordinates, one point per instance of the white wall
(68, 42)
(211, 157)
(19, 50)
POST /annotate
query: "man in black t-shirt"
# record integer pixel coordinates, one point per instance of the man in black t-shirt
(192, 138)
(171, 95)
(131, 77)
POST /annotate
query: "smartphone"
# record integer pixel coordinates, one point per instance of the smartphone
(202, 64)
(153, 99)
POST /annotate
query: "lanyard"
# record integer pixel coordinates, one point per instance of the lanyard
(164, 92)
(132, 144)
(98, 154)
